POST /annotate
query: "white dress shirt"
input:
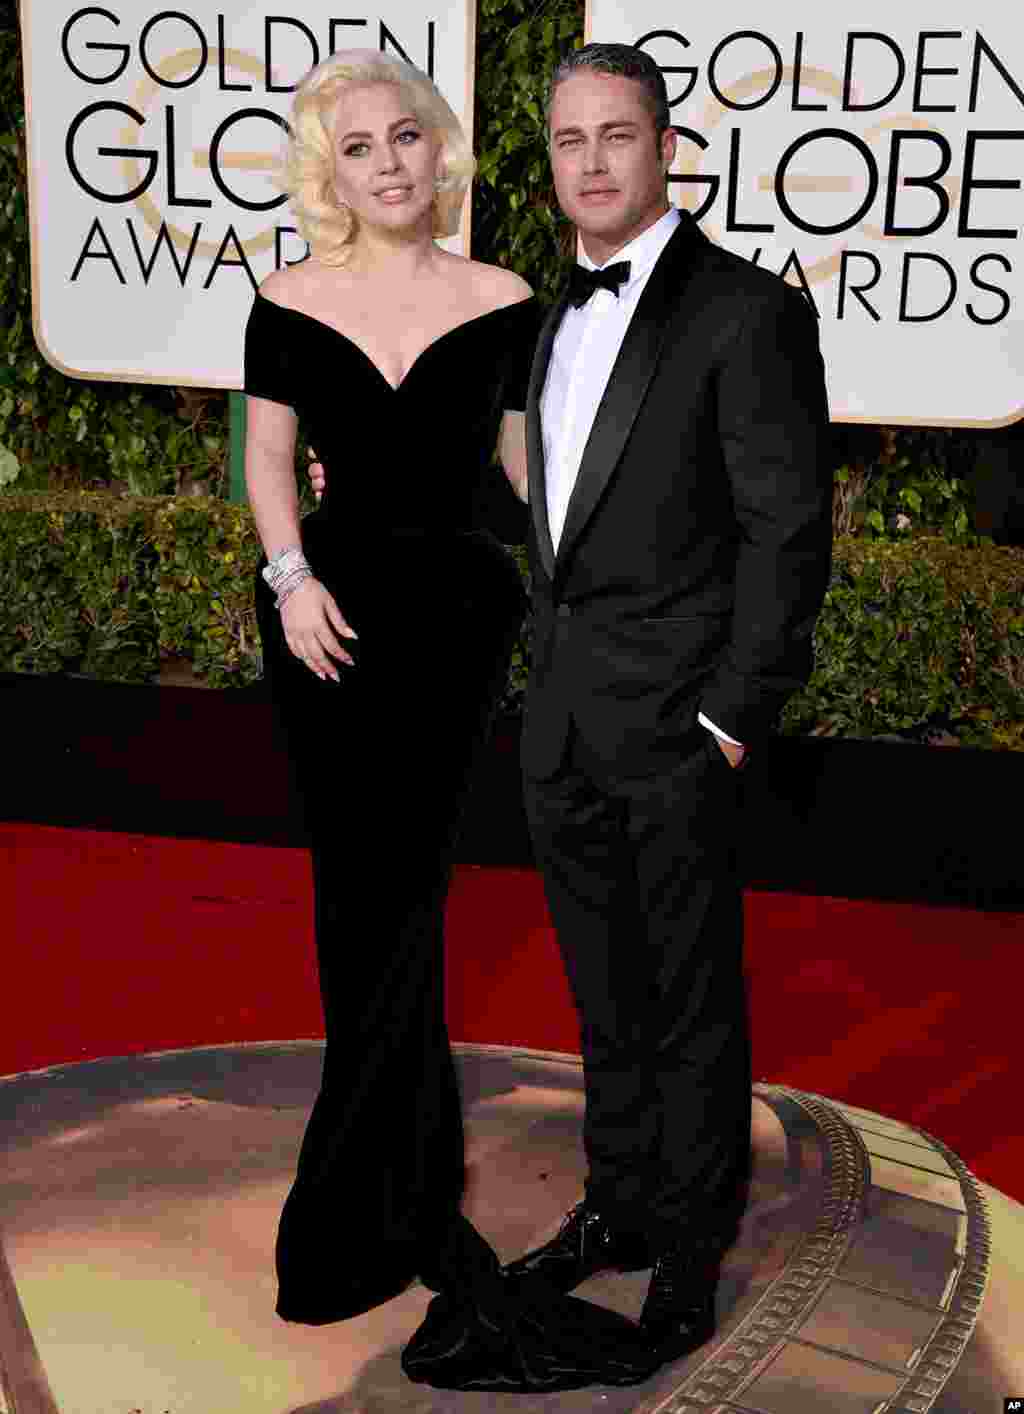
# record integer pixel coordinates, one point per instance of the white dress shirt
(584, 353)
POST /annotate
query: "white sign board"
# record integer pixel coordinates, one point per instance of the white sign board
(153, 133)
(874, 156)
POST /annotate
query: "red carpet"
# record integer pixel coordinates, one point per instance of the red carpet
(118, 944)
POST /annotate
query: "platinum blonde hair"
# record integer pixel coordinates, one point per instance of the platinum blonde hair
(308, 170)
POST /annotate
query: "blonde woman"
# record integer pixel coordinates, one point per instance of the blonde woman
(387, 623)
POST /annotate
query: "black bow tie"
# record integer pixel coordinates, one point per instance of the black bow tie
(583, 282)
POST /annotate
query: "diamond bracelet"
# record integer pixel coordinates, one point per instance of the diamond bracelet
(283, 565)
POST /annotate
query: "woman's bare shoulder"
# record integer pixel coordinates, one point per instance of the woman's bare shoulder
(489, 286)
(295, 287)
(504, 286)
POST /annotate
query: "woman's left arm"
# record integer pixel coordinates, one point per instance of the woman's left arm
(512, 451)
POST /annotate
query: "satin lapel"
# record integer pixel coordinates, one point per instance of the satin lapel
(535, 435)
(630, 378)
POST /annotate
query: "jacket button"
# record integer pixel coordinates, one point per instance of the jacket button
(564, 611)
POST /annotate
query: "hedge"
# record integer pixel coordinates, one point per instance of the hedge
(916, 637)
(76, 587)
(919, 639)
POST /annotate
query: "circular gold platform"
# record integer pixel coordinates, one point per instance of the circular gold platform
(139, 1200)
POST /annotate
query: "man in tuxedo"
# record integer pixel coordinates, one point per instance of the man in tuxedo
(680, 497)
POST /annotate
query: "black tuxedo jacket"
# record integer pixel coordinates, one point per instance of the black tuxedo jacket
(696, 547)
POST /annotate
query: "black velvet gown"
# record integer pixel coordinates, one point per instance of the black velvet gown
(383, 760)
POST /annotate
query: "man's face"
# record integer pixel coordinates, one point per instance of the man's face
(608, 164)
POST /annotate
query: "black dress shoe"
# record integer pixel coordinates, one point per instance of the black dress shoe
(679, 1312)
(585, 1244)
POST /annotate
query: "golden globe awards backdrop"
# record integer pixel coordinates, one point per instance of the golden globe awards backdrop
(152, 136)
(874, 155)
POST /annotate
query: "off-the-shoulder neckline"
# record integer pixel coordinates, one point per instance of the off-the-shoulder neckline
(441, 338)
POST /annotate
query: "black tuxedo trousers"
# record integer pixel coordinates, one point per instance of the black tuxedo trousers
(640, 878)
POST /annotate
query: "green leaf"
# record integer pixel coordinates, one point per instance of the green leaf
(10, 467)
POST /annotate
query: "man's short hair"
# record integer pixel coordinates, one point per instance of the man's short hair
(628, 62)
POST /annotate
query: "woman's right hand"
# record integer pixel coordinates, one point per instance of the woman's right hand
(310, 619)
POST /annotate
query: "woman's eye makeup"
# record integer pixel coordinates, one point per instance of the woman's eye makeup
(407, 136)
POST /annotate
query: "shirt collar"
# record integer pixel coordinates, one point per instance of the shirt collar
(642, 252)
